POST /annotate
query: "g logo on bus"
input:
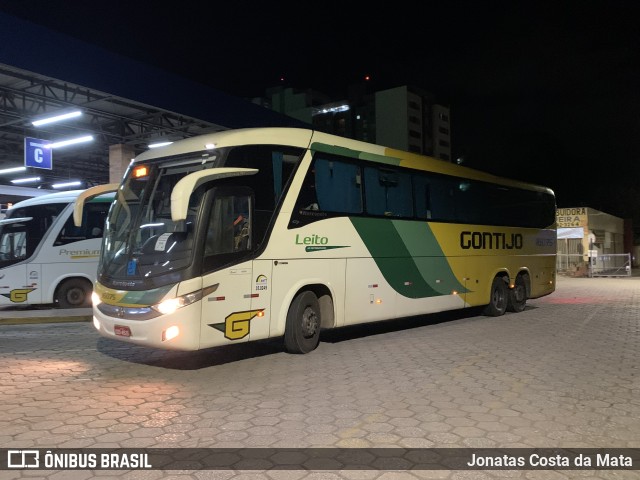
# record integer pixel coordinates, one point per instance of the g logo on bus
(237, 325)
(18, 295)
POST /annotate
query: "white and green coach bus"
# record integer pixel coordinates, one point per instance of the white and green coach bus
(44, 257)
(248, 234)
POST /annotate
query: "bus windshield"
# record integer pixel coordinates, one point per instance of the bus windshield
(143, 245)
(23, 229)
(141, 240)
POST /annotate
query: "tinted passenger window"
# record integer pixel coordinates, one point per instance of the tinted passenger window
(388, 192)
(93, 218)
(332, 186)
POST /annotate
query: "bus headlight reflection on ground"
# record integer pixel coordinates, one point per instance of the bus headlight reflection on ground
(169, 333)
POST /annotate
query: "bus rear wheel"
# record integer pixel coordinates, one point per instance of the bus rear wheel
(498, 298)
(518, 295)
(302, 330)
(74, 293)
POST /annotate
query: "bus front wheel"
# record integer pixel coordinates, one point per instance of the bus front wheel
(302, 330)
(498, 299)
(74, 293)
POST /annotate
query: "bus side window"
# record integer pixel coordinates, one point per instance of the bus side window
(338, 186)
(96, 216)
(307, 199)
(92, 225)
(13, 244)
(70, 233)
(229, 227)
(388, 192)
(422, 196)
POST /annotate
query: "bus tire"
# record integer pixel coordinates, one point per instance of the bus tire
(518, 295)
(74, 293)
(302, 330)
(498, 298)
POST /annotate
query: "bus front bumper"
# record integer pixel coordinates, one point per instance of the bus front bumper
(175, 331)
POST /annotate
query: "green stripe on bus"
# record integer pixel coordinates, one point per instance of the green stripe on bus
(347, 152)
(431, 261)
(392, 244)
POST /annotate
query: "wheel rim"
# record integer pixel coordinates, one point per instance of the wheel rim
(499, 298)
(309, 322)
(519, 293)
(75, 296)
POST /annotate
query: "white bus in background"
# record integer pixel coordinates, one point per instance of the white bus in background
(44, 257)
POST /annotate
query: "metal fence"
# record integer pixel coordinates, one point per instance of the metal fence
(609, 265)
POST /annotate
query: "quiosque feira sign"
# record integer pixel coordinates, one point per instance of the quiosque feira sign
(571, 217)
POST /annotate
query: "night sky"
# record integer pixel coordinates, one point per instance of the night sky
(543, 91)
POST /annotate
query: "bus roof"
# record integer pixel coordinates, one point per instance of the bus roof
(307, 138)
(57, 197)
(297, 137)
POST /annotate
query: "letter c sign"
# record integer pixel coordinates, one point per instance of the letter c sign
(37, 154)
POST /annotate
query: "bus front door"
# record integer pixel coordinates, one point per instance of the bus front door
(227, 313)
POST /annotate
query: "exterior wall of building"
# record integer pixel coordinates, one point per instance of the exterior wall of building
(441, 121)
(406, 118)
(410, 120)
(635, 255)
(392, 117)
(416, 128)
(298, 104)
(595, 234)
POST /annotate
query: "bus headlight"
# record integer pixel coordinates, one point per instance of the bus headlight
(95, 298)
(170, 305)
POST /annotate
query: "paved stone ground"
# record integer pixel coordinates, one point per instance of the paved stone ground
(562, 374)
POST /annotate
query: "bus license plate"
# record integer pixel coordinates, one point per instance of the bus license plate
(122, 331)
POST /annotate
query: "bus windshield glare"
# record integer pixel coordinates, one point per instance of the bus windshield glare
(141, 240)
(143, 246)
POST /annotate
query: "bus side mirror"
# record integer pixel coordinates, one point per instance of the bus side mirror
(186, 185)
(88, 194)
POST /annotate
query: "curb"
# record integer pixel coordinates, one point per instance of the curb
(26, 320)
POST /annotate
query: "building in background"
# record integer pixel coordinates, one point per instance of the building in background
(406, 118)
(591, 243)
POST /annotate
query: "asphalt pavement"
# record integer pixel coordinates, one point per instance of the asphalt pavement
(561, 375)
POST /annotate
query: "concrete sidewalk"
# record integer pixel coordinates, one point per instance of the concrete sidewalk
(562, 374)
(16, 316)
